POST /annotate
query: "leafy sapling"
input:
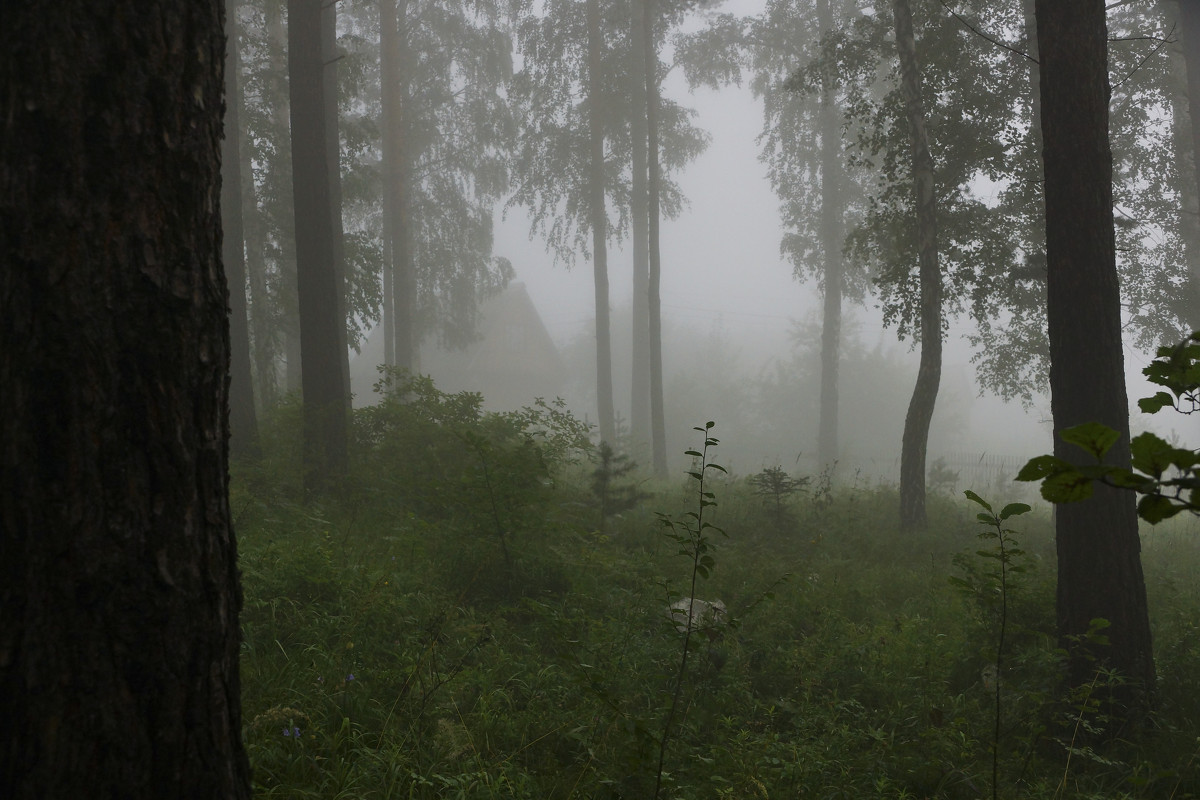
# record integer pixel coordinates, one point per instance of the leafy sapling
(692, 534)
(1004, 554)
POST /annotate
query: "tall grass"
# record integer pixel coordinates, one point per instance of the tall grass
(390, 651)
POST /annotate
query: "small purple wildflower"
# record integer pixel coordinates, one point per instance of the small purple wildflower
(350, 677)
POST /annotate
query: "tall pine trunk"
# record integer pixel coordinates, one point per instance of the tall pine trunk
(658, 421)
(929, 373)
(1099, 562)
(833, 273)
(263, 335)
(639, 408)
(333, 152)
(118, 566)
(322, 324)
(281, 313)
(389, 299)
(243, 422)
(397, 171)
(599, 224)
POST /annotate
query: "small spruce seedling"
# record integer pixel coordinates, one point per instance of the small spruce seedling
(776, 489)
(609, 484)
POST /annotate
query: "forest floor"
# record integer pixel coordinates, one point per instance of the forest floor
(458, 626)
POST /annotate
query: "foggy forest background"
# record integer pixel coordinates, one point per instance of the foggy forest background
(600, 398)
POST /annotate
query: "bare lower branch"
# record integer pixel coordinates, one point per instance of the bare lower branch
(983, 35)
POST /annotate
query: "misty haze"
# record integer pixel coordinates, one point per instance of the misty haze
(600, 399)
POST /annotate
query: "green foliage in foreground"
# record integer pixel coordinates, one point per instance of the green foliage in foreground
(457, 627)
(1166, 477)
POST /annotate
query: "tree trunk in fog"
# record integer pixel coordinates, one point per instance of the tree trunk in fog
(280, 314)
(657, 412)
(1029, 16)
(389, 299)
(293, 367)
(243, 423)
(322, 325)
(1028, 13)
(599, 222)
(831, 245)
(118, 566)
(262, 331)
(929, 373)
(333, 152)
(397, 176)
(639, 413)
(1099, 563)
(1189, 35)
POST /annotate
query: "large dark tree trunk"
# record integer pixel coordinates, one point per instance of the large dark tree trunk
(322, 324)
(397, 171)
(833, 273)
(599, 224)
(118, 567)
(658, 420)
(639, 407)
(1099, 565)
(929, 373)
(243, 422)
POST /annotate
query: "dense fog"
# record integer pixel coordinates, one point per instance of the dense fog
(611, 399)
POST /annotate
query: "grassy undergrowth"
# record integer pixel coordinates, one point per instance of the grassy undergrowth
(457, 627)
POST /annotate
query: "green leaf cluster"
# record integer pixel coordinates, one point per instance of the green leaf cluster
(449, 461)
(1164, 475)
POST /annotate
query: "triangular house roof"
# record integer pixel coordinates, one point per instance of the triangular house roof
(513, 361)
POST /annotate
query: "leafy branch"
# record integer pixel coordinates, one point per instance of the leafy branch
(1166, 477)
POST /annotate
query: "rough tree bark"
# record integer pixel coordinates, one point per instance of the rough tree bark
(118, 566)
(243, 422)
(929, 373)
(322, 324)
(658, 420)
(833, 272)
(1099, 562)
(599, 224)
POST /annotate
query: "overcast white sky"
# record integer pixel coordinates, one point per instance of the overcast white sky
(722, 265)
(720, 258)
